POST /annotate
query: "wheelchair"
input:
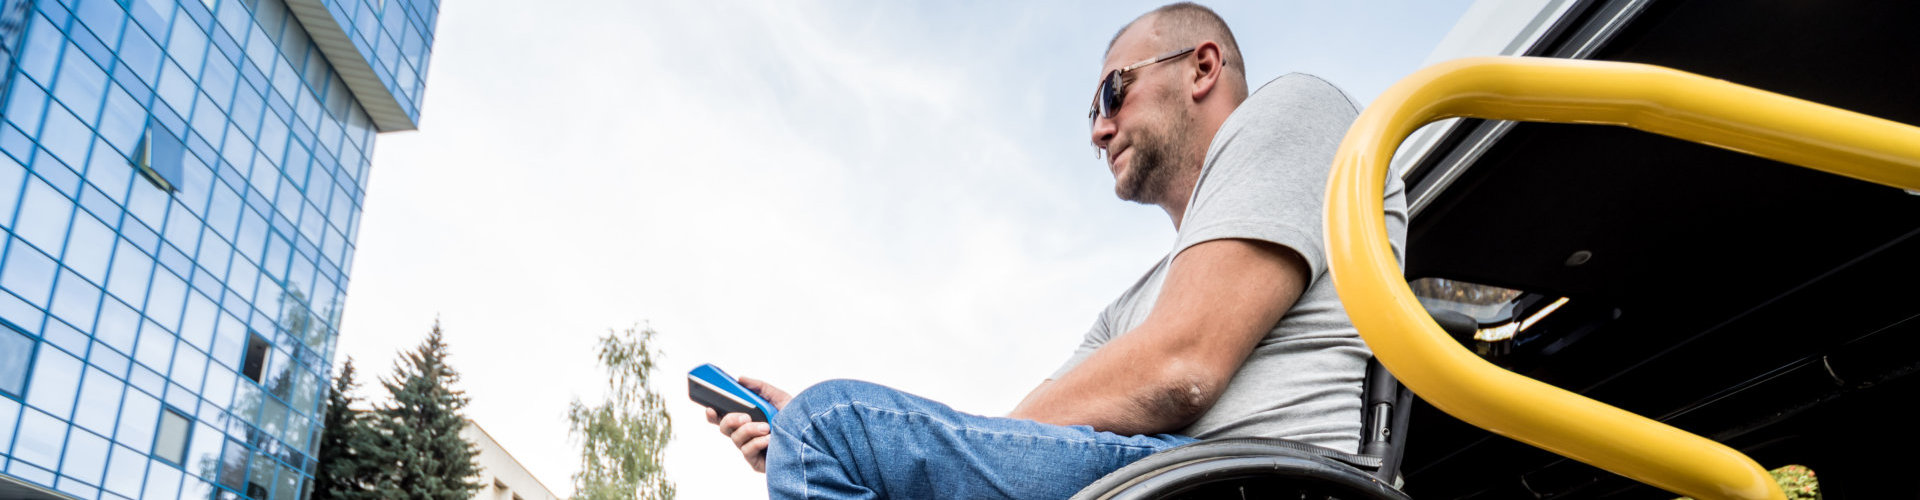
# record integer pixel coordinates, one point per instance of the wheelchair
(1281, 468)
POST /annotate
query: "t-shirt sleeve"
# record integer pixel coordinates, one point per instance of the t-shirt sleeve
(1096, 336)
(1266, 171)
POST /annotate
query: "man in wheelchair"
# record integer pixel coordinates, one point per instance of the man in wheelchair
(1236, 333)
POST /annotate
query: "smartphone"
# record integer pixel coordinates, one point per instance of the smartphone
(715, 389)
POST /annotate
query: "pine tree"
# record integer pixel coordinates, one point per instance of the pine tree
(419, 430)
(348, 454)
(622, 439)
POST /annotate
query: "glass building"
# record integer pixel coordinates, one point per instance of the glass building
(180, 186)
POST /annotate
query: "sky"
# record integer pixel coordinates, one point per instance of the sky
(900, 192)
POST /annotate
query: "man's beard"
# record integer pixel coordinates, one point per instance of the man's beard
(1155, 165)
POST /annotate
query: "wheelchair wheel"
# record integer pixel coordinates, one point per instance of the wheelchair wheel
(1243, 468)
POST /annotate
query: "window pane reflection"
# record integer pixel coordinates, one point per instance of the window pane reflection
(90, 248)
(289, 488)
(16, 352)
(165, 300)
(188, 366)
(131, 269)
(122, 122)
(12, 174)
(80, 85)
(99, 401)
(171, 443)
(40, 438)
(126, 471)
(156, 346)
(140, 53)
(9, 417)
(203, 456)
(118, 324)
(261, 477)
(233, 465)
(162, 481)
(65, 136)
(50, 211)
(28, 273)
(56, 379)
(76, 300)
(273, 418)
(246, 402)
(138, 415)
(86, 457)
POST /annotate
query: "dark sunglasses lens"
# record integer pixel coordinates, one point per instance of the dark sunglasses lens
(1110, 95)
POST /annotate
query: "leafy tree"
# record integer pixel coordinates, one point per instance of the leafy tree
(622, 439)
(349, 453)
(419, 431)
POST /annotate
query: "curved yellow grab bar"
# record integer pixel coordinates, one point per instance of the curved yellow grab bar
(1649, 98)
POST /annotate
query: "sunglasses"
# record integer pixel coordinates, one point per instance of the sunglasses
(1113, 88)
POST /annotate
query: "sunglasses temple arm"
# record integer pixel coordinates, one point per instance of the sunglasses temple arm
(1156, 60)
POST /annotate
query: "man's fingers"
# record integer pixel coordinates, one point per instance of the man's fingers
(773, 394)
(756, 385)
(732, 422)
(747, 433)
(749, 436)
(754, 448)
(776, 396)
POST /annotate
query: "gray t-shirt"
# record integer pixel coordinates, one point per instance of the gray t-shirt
(1265, 178)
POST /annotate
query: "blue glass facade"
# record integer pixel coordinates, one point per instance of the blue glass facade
(180, 187)
(394, 37)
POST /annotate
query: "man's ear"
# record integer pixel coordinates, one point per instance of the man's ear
(1208, 65)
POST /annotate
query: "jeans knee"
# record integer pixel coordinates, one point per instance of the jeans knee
(822, 397)
(832, 392)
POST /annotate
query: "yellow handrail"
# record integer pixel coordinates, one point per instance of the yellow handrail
(1648, 98)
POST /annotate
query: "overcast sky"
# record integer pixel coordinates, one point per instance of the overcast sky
(793, 190)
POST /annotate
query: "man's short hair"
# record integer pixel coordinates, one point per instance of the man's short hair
(1188, 23)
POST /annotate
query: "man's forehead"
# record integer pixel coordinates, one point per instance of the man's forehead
(1135, 43)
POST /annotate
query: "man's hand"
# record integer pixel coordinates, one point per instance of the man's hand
(747, 435)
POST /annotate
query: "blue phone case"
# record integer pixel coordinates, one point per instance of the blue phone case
(710, 379)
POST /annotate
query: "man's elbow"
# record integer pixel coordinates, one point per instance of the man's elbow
(1173, 407)
(1180, 394)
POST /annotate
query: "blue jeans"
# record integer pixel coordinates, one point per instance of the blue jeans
(852, 439)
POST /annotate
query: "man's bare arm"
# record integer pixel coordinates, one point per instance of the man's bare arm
(1219, 299)
(1030, 395)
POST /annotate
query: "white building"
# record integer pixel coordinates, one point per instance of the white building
(502, 477)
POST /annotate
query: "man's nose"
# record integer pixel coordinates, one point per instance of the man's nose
(1103, 131)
